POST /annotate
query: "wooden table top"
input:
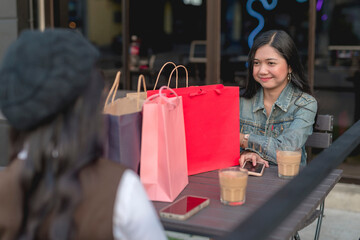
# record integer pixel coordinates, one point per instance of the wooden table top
(216, 220)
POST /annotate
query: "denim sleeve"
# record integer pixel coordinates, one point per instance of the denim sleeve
(294, 136)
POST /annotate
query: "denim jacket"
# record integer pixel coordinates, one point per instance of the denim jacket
(289, 124)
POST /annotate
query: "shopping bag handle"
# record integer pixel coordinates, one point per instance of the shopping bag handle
(141, 77)
(113, 89)
(186, 72)
(163, 96)
(158, 76)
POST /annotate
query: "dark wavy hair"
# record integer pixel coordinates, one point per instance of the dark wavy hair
(57, 151)
(285, 46)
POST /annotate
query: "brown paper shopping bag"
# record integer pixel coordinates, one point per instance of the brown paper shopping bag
(123, 123)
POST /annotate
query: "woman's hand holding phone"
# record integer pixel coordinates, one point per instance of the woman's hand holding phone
(253, 157)
(256, 170)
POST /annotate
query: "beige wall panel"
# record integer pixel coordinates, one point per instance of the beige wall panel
(100, 18)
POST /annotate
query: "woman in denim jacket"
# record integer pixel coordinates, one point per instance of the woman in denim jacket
(276, 108)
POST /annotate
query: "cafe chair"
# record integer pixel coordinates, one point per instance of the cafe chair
(321, 138)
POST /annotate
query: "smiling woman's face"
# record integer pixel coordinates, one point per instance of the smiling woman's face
(270, 69)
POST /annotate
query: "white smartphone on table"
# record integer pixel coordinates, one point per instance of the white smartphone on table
(256, 170)
(184, 207)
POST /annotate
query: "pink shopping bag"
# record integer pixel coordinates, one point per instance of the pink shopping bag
(163, 163)
(212, 126)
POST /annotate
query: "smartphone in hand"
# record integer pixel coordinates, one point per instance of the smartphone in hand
(185, 207)
(256, 170)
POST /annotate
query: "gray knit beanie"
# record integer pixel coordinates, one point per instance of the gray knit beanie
(42, 73)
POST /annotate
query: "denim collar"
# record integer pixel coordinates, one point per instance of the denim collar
(282, 102)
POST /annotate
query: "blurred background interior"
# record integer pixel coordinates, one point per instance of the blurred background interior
(175, 30)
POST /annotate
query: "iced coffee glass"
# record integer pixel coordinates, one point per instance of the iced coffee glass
(233, 181)
(288, 162)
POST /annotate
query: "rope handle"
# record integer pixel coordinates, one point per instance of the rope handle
(141, 77)
(187, 76)
(158, 76)
(163, 96)
(113, 89)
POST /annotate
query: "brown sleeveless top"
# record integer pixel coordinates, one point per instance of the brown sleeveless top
(93, 217)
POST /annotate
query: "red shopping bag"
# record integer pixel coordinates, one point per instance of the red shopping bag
(212, 126)
(163, 163)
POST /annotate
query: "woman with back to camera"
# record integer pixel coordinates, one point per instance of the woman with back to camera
(57, 185)
(277, 107)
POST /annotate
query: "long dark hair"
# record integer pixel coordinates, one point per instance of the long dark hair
(57, 151)
(285, 46)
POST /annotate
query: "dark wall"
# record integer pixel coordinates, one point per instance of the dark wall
(147, 22)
